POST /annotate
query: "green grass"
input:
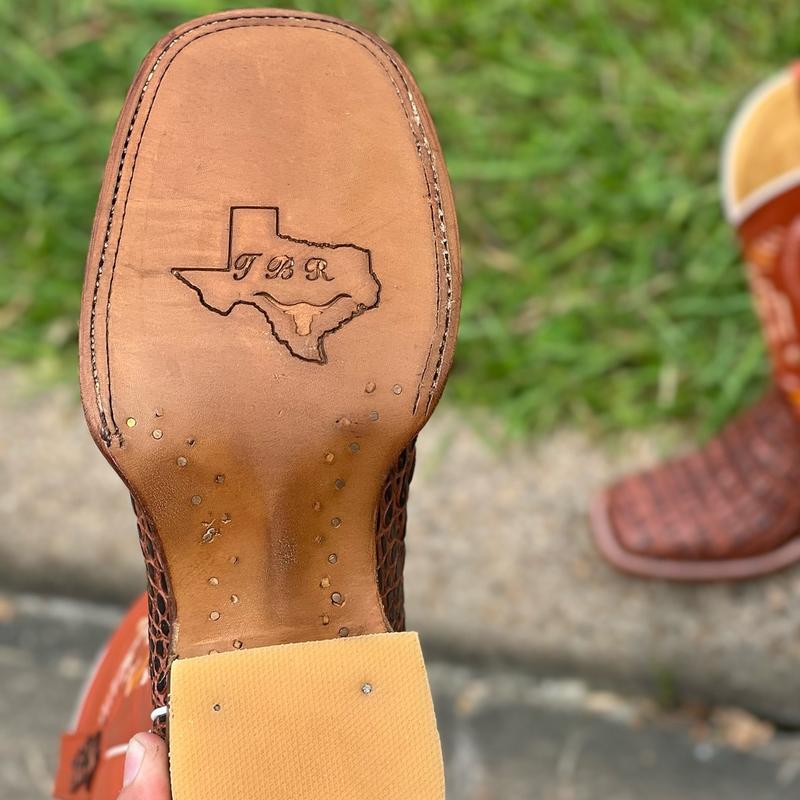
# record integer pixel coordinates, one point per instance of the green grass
(602, 285)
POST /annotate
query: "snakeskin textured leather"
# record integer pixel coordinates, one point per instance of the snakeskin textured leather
(733, 498)
(390, 537)
(161, 612)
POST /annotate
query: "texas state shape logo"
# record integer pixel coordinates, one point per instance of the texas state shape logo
(306, 290)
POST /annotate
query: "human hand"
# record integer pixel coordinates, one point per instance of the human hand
(146, 775)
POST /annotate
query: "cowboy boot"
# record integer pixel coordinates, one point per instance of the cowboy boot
(731, 509)
(113, 707)
(269, 317)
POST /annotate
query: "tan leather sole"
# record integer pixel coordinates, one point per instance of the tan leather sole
(269, 316)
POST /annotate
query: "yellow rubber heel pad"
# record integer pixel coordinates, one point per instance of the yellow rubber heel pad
(341, 719)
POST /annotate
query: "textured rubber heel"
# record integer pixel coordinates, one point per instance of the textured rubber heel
(346, 719)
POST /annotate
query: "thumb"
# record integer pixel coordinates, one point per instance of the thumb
(146, 775)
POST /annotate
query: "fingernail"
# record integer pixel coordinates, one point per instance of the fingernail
(133, 761)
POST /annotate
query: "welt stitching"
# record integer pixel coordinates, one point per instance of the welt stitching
(443, 229)
(248, 22)
(442, 224)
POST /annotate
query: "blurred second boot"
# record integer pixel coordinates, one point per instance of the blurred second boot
(731, 510)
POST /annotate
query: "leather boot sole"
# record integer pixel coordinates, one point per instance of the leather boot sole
(269, 317)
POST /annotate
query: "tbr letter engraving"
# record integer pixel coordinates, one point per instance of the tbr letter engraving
(280, 267)
(242, 265)
(315, 268)
(301, 308)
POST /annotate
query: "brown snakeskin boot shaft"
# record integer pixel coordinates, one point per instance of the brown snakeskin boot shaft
(390, 551)
(390, 537)
(734, 498)
(161, 612)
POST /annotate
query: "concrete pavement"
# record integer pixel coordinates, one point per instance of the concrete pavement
(507, 735)
(500, 563)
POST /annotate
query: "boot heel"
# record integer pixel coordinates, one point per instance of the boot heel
(341, 718)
